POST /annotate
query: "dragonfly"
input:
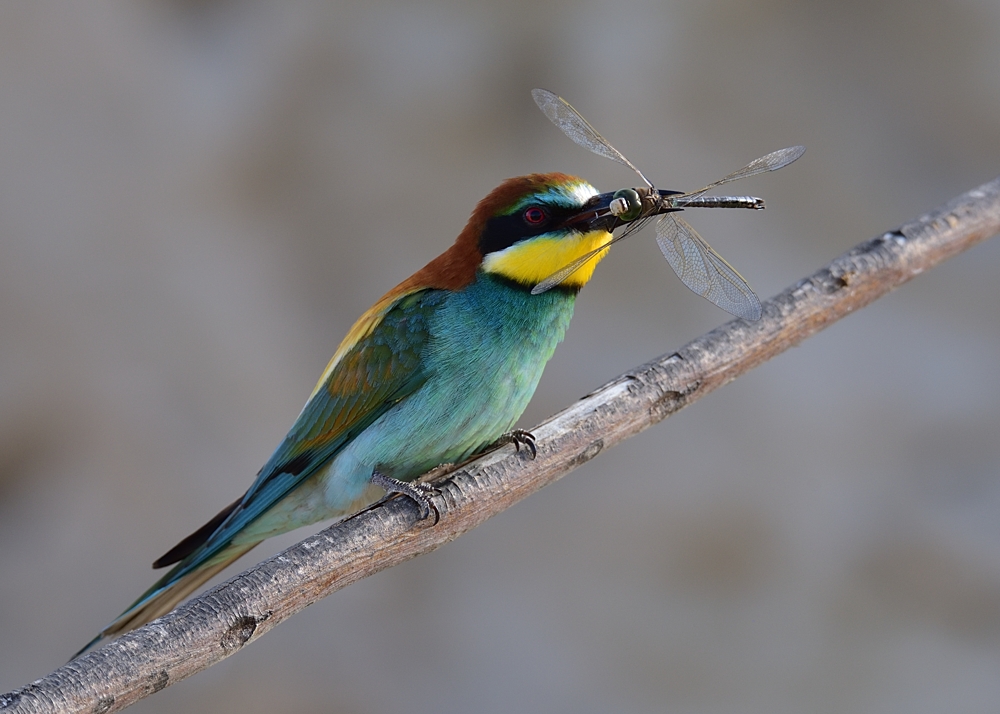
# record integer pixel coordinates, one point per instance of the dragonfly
(696, 263)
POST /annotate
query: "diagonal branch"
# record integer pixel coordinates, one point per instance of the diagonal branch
(220, 622)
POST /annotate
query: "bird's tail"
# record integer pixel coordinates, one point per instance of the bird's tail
(167, 592)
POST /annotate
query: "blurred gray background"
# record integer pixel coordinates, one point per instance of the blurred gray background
(198, 198)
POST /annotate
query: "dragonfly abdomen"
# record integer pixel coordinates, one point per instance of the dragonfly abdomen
(715, 202)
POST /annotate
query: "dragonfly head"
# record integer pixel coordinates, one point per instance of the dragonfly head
(619, 208)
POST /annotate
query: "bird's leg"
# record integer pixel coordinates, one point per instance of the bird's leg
(519, 438)
(418, 492)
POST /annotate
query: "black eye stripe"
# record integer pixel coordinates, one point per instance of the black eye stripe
(502, 232)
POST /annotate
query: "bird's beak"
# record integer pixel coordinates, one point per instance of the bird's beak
(595, 215)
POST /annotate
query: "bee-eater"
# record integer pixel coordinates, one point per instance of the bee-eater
(437, 370)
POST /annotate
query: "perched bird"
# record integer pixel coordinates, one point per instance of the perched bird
(437, 370)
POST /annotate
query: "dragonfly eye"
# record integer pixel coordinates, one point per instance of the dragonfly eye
(534, 216)
(626, 204)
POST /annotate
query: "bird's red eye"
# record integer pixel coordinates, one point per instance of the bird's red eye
(534, 215)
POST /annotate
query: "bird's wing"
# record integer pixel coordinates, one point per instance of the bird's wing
(380, 366)
(377, 365)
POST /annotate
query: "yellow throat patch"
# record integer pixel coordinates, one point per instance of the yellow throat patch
(531, 261)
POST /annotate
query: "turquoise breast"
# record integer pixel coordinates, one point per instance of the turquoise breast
(487, 349)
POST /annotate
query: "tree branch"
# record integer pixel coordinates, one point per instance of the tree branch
(220, 622)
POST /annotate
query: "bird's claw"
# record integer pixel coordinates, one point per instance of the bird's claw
(417, 491)
(519, 438)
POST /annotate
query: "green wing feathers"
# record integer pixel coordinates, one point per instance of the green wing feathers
(382, 368)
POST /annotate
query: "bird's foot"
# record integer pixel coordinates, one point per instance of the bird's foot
(519, 438)
(420, 493)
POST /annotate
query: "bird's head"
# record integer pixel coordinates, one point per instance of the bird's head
(530, 227)
(525, 230)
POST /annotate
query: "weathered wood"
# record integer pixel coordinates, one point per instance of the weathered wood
(222, 621)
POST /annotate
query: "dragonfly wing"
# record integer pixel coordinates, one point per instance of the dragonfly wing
(770, 162)
(571, 122)
(703, 270)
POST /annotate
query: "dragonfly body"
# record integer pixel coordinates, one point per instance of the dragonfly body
(647, 201)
